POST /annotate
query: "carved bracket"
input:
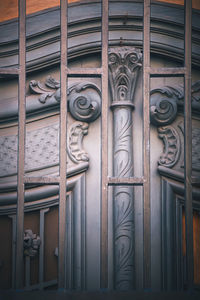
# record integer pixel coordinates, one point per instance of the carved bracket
(84, 98)
(75, 137)
(164, 104)
(172, 146)
(31, 243)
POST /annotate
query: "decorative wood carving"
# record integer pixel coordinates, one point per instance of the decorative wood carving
(84, 100)
(42, 148)
(165, 103)
(172, 146)
(195, 147)
(31, 243)
(74, 145)
(166, 100)
(124, 64)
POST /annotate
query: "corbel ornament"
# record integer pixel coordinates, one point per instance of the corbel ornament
(84, 98)
(164, 105)
(74, 146)
(31, 243)
(172, 146)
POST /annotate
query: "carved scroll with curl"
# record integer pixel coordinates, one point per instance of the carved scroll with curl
(84, 98)
(165, 102)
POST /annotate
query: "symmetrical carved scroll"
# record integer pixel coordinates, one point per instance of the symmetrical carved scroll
(31, 243)
(172, 146)
(165, 102)
(84, 99)
(75, 137)
(124, 64)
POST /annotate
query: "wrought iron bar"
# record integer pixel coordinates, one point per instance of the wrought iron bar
(188, 146)
(84, 72)
(146, 145)
(19, 270)
(9, 71)
(104, 147)
(63, 152)
(42, 180)
(170, 72)
(126, 181)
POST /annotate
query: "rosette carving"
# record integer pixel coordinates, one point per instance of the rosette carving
(84, 98)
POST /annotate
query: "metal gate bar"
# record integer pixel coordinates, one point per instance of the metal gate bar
(62, 146)
(61, 180)
(188, 145)
(104, 147)
(21, 146)
(146, 145)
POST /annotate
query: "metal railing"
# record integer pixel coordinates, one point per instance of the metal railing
(106, 181)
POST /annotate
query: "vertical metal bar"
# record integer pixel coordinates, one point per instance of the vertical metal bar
(63, 152)
(13, 217)
(146, 145)
(104, 153)
(41, 253)
(21, 144)
(188, 145)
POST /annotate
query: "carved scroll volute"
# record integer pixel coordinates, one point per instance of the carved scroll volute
(124, 64)
(84, 98)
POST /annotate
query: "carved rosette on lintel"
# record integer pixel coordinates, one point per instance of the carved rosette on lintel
(124, 65)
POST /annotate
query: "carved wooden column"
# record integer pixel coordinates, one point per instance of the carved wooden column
(124, 64)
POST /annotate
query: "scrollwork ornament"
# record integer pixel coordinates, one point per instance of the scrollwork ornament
(84, 101)
(163, 111)
(172, 146)
(74, 146)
